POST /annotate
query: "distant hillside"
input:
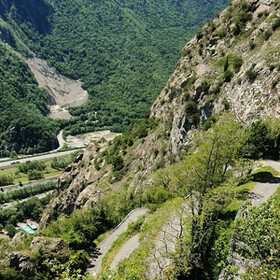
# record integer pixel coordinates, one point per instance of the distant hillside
(123, 51)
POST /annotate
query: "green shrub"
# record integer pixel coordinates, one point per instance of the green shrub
(260, 140)
(117, 163)
(35, 174)
(276, 24)
(228, 76)
(243, 17)
(6, 180)
(226, 104)
(11, 230)
(27, 166)
(61, 163)
(236, 29)
(222, 32)
(236, 63)
(267, 34)
(156, 195)
(209, 122)
(251, 75)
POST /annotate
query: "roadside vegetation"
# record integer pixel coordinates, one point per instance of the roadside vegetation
(26, 192)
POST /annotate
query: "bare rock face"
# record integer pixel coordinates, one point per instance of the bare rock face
(51, 248)
(71, 184)
(22, 263)
(252, 90)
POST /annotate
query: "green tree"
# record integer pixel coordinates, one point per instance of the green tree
(117, 163)
(35, 174)
(260, 140)
(201, 175)
(11, 230)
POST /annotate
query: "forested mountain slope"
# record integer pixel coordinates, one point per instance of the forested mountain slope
(123, 51)
(23, 107)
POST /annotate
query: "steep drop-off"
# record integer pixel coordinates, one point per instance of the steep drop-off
(230, 65)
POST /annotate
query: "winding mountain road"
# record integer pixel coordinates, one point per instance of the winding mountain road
(168, 235)
(104, 246)
(260, 194)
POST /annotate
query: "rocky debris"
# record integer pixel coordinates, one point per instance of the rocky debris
(63, 92)
(51, 248)
(21, 262)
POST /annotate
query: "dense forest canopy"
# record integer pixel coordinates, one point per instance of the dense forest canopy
(123, 51)
(23, 127)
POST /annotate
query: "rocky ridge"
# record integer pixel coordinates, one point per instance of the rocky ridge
(230, 65)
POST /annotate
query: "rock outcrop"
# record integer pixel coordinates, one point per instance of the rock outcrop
(53, 248)
(22, 263)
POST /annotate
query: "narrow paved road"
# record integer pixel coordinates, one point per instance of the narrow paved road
(104, 246)
(165, 242)
(126, 250)
(263, 191)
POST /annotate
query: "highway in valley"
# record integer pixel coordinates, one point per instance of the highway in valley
(37, 157)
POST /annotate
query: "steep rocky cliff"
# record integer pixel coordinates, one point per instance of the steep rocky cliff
(230, 65)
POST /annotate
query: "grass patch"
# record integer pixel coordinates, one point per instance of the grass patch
(266, 169)
(22, 177)
(264, 174)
